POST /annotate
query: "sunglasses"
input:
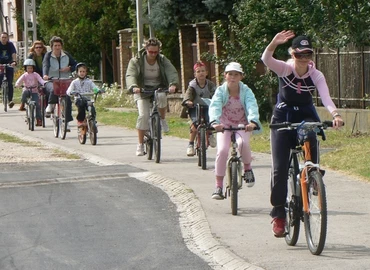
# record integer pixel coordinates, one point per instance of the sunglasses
(153, 52)
(303, 55)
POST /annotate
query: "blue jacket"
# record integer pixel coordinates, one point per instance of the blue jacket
(249, 102)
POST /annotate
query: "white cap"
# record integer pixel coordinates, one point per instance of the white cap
(234, 66)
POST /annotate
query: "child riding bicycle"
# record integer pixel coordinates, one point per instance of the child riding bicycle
(81, 85)
(30, 80)
(199, 88)
(232, 104)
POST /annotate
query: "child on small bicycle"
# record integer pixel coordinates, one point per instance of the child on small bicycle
(199, 88)
(232, 104)
(81, 85)
(30, 79)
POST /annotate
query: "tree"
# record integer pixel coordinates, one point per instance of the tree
(87, 27)
(248, 31)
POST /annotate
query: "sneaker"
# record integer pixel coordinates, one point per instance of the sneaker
(278, 227)
(217, 195)
(49, 109)
(212, 140)
(38, 123)
(140, 149)
(11, 104)
(22, 108)
(190, 150)
(249, 178)
(164, 125)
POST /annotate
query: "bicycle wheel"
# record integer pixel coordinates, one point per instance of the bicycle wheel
(316, 220)
(293, 204)
(156, 124)
(93, 132)
(82, 134)
(203, 148)
(42, 109)
(197, 148)
(5, 96)
(31, 123)
(148, 144)
(56, 121)
(234, 188)
(62, 119)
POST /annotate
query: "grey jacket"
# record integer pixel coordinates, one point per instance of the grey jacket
(135, 72)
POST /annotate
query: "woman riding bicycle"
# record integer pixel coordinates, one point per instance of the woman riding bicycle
(57, 64)
(150, 69)
(298, 78)
(232, 104)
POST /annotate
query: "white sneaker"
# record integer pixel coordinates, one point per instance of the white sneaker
(164, 125)
(190, 150)
(140, 149)
(212, 141)
(50, 108)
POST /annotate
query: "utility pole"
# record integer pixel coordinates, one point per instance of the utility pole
(29, 17)
(139, 22)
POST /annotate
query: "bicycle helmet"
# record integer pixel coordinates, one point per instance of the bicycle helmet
(81, 64)
(28, 62)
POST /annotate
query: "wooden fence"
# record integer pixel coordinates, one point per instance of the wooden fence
(347, 73)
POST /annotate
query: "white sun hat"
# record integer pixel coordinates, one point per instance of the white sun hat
(234, 66)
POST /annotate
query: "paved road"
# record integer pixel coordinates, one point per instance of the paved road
(236, 242)
(77, 215)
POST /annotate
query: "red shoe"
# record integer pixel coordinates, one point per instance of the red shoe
(278, 227)
(38, 123)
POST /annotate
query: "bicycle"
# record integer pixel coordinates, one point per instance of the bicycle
(4, 86)
(60, 87)
(152, 138)
(306, 197)
(30, 110)
(234, 169)
(90, 125)
(202, 138)
(42, 102)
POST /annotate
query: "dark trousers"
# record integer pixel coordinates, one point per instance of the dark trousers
(82, 108)
(281, 143)
(10, 76)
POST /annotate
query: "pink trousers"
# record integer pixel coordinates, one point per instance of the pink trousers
(223, 149)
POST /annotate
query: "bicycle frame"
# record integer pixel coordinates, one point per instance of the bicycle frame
(202, 136)
(89, 126)
(4, 85)
(152, 139)
(30, 110)
(60, 86)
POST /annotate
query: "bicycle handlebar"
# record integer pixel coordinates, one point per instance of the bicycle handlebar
(159, 90)
(291, 126)
(239, 127)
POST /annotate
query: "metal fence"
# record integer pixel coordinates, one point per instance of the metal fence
(347, 72)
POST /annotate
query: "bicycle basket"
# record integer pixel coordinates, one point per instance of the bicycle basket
(60, 86)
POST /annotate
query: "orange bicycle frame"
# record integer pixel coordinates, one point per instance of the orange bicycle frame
(307, 156)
